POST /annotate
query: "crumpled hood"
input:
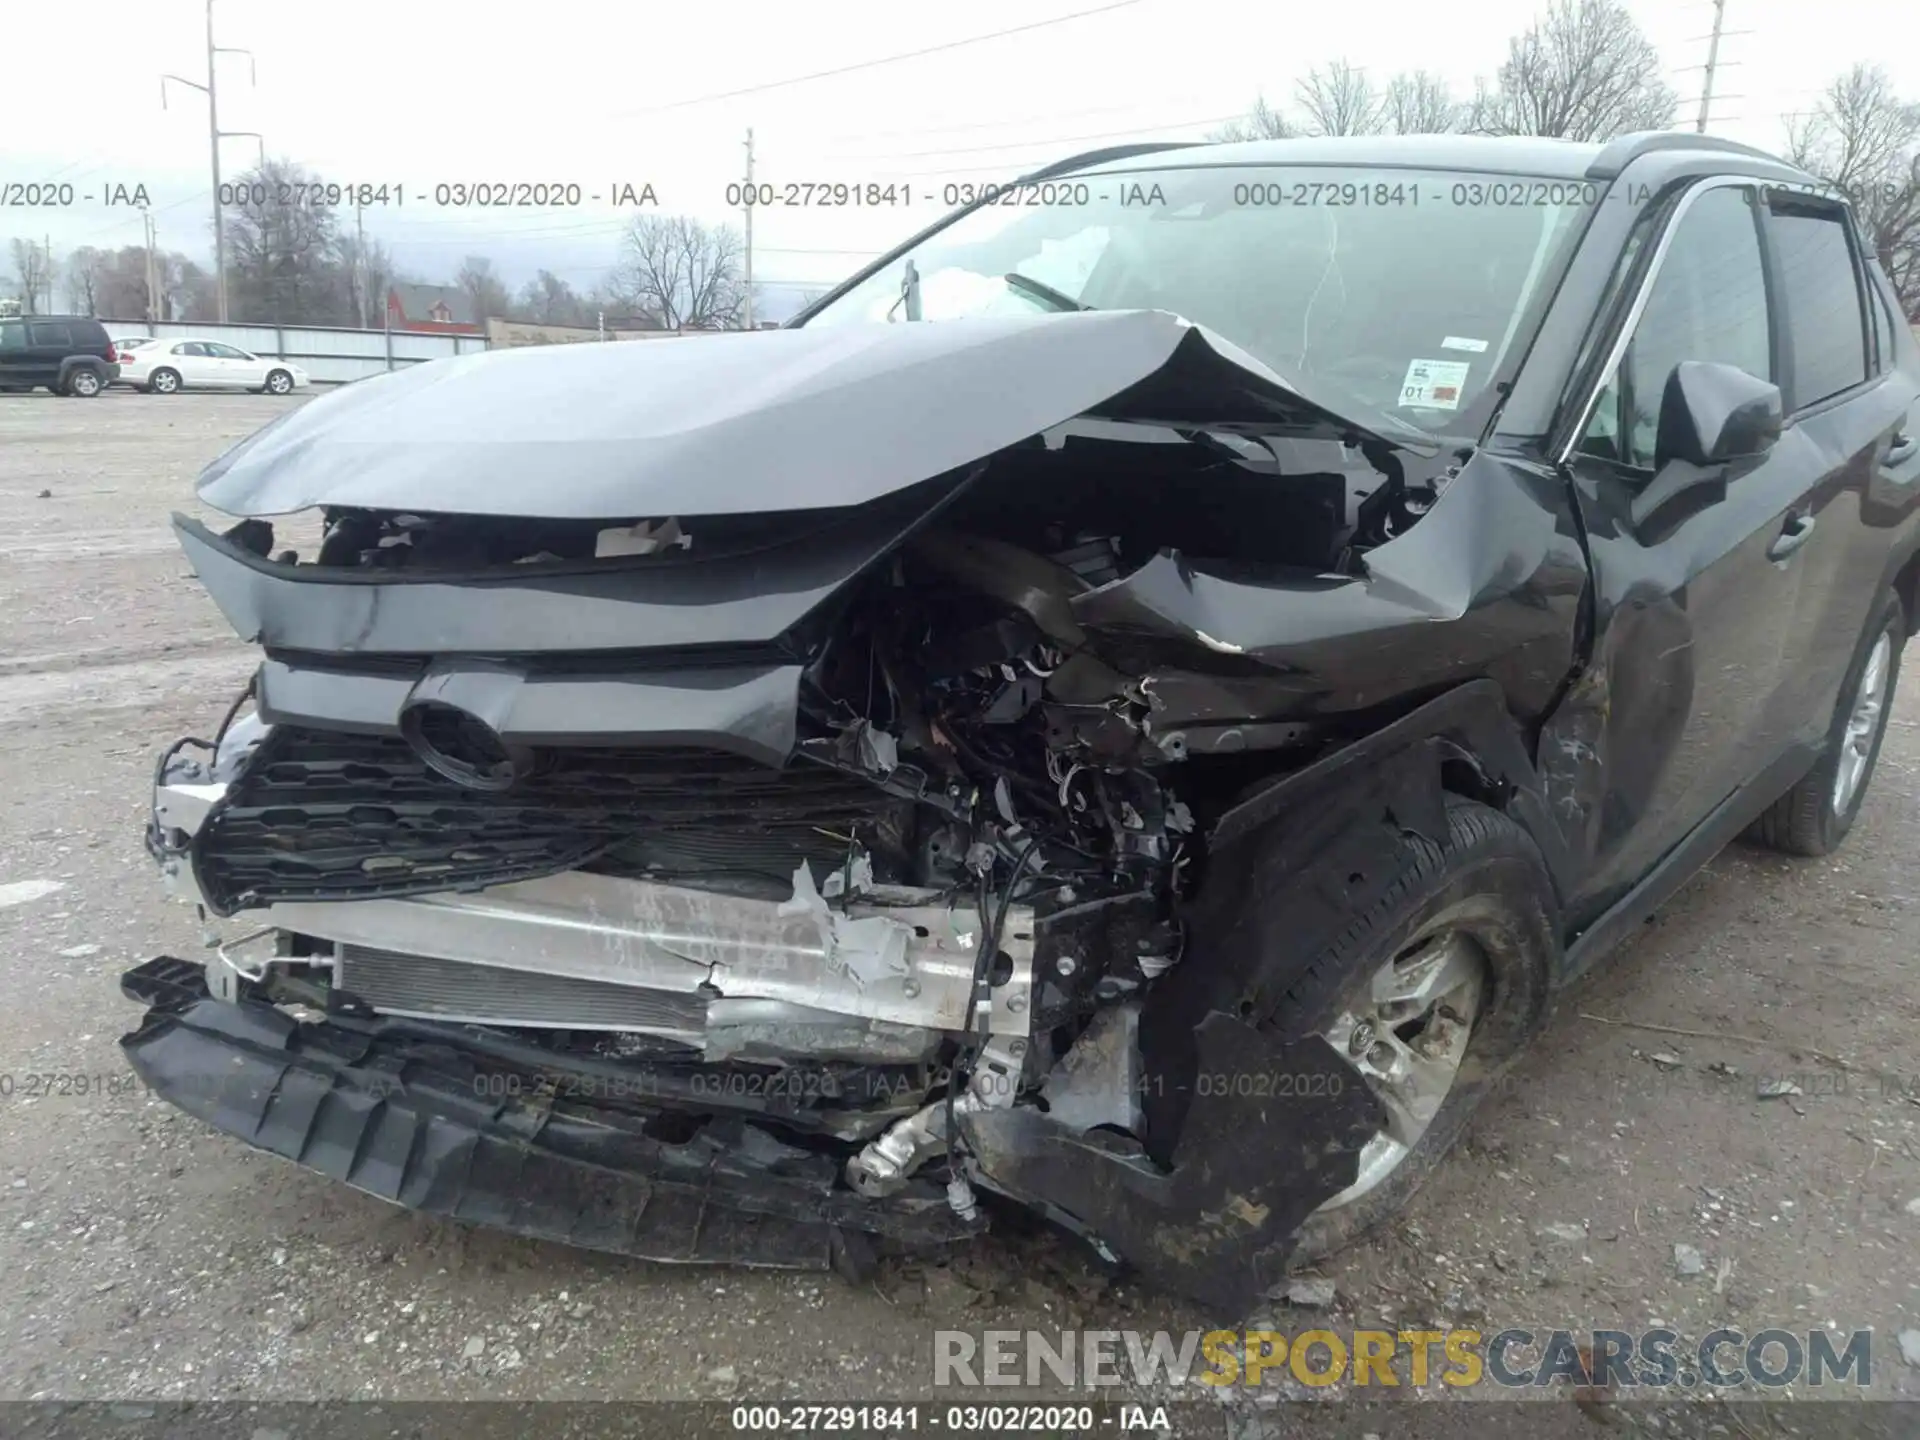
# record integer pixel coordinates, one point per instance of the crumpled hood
(796, 419)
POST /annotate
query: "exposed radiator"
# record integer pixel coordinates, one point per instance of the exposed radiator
(458, 990)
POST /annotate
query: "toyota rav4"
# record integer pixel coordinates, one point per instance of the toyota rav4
(1132, 706)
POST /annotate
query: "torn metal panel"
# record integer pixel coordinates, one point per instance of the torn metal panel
(1489, 579)
(866, 951)
(1098, 1082)
(788, 419)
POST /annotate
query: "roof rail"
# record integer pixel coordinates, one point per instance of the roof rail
(1111, 152)
(1627, 148)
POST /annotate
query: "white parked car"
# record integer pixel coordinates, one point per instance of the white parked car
(164, 366)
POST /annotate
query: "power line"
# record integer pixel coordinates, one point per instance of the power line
(882, 60)
(1001, 124)
(1049, 140)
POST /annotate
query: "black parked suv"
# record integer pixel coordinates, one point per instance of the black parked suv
(1135, 704)
(67, 354)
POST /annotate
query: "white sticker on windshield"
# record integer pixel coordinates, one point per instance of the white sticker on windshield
(1435, 384)
(1463, 342)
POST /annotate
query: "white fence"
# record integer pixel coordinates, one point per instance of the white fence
(330, 356)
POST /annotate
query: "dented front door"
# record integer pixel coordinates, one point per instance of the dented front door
(1695, 601)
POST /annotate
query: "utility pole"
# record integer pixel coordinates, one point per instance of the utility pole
(1713, 61)
(214, 136)
(47, 248)
(153, 282)
(748, 207)
(363, 273)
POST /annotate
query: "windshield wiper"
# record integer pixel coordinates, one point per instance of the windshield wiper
(1039, 290)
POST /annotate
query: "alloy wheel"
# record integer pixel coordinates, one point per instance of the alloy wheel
(1407, 1034)
(1863, 725)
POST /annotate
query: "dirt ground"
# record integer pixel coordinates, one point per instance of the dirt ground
(145, 1256)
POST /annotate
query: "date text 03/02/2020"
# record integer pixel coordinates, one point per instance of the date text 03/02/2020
(897, 1419)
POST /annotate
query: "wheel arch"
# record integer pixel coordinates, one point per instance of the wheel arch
(1906, 584)
(1464, 742)
(1324, 848)
(80, 362)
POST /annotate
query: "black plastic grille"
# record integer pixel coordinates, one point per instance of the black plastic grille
(321, 815)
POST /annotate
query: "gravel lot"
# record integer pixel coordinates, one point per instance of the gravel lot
(147, 1257)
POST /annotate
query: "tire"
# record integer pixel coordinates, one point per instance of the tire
(1487, 886)
(279, 382)
(1813, 818)
(85, 383)
(164, 382)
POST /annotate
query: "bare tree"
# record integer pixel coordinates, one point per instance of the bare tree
(283, 251)
(1338, 99)
(1863, 140)
(119, 279)
(83, 273)
(1262, 122)
(1418, 102)
(684, 274)
(187, 291)
(549, 300)
(485, 291)
(369, 275)
(33, 267)
(1583, 72)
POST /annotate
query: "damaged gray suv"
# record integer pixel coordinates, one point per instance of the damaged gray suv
(1131, 707)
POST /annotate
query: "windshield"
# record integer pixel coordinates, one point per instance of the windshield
(1405, 290)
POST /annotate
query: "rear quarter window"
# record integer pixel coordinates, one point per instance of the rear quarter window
(90, 335)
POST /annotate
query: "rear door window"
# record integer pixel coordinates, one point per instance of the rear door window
(50, 334)
(1820, 290)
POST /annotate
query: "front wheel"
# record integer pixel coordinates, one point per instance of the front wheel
(1430, 994)
(1813, 818)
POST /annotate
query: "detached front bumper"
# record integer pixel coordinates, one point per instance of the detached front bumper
(423, 1122)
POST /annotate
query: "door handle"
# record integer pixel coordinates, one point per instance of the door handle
(1797, 531)
(1901, 450)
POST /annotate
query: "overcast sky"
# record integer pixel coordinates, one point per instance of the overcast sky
(423, 92)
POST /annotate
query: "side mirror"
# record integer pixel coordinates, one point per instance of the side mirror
(1712, 414)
